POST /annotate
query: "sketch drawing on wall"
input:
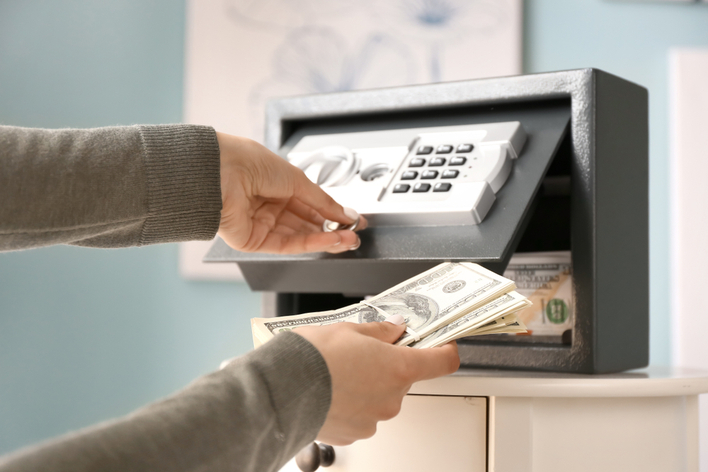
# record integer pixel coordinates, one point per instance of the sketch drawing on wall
(318, 60)
(279, 14)
(241, 53)
(436, 23)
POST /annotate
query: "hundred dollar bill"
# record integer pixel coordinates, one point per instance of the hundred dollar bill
(481, 319)
(265, 328)
(545, 279)
(505, 324)
(439, 296)
(427, 302)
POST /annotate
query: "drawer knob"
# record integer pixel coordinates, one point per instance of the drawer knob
(314, 455)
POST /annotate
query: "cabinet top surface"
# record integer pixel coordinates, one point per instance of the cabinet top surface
(653, 381)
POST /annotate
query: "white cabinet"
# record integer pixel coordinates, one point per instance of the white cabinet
(501, 421)
(594, 434)
(432, 433)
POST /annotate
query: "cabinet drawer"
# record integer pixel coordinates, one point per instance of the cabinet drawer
(441, 433)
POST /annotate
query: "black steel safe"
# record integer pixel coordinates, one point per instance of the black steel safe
(581, 185)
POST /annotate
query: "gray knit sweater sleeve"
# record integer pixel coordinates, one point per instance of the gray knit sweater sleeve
(108, 187)
(252, 416)
(131, 186)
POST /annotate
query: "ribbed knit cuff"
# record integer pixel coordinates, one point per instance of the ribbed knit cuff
(183, 179)
(299, 384)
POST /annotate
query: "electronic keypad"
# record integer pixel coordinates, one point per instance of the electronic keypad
(414, 177)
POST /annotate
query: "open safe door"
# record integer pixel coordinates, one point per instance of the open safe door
(445, 184)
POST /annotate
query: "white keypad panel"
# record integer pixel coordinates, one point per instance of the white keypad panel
(414, 177)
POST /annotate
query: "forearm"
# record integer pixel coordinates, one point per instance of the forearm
(108, 187)
(253, 415)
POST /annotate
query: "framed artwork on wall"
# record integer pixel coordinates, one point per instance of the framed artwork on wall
(240, 53)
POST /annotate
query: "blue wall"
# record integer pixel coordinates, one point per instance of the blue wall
(89, 334)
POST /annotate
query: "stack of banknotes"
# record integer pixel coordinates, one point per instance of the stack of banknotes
(447, 302)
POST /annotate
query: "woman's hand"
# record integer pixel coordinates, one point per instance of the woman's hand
(370, 376)
(270, 205)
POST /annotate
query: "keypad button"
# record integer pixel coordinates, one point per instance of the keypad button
(429, 174)
(421, 187)
(424, 150)
(458, 161)
(444, 149)
(442, 187)
(417, 162)
(448, 174)
(465, 148)
(409, 175)
(437, 161)
(401, 188)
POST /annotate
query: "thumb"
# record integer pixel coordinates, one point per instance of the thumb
(383, 331)
(435, 362)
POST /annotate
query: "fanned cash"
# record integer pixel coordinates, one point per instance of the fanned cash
(447, 302)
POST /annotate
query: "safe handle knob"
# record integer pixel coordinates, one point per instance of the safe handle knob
(314, 455)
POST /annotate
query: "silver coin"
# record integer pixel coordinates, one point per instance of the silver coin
(328, 226)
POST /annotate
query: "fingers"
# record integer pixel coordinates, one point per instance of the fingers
(424, 364)
(306, 212)
(277, 229)
(383, 331)
(299, 218)
(309, 203)
(286, 240)
(289, 223)
(363, 223)
(350, 242)
(298, 243)
(312, 195)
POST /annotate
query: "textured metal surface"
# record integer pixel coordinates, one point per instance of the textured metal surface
(405, 99)
(609, 209)
(621, 212)
(609, 238)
